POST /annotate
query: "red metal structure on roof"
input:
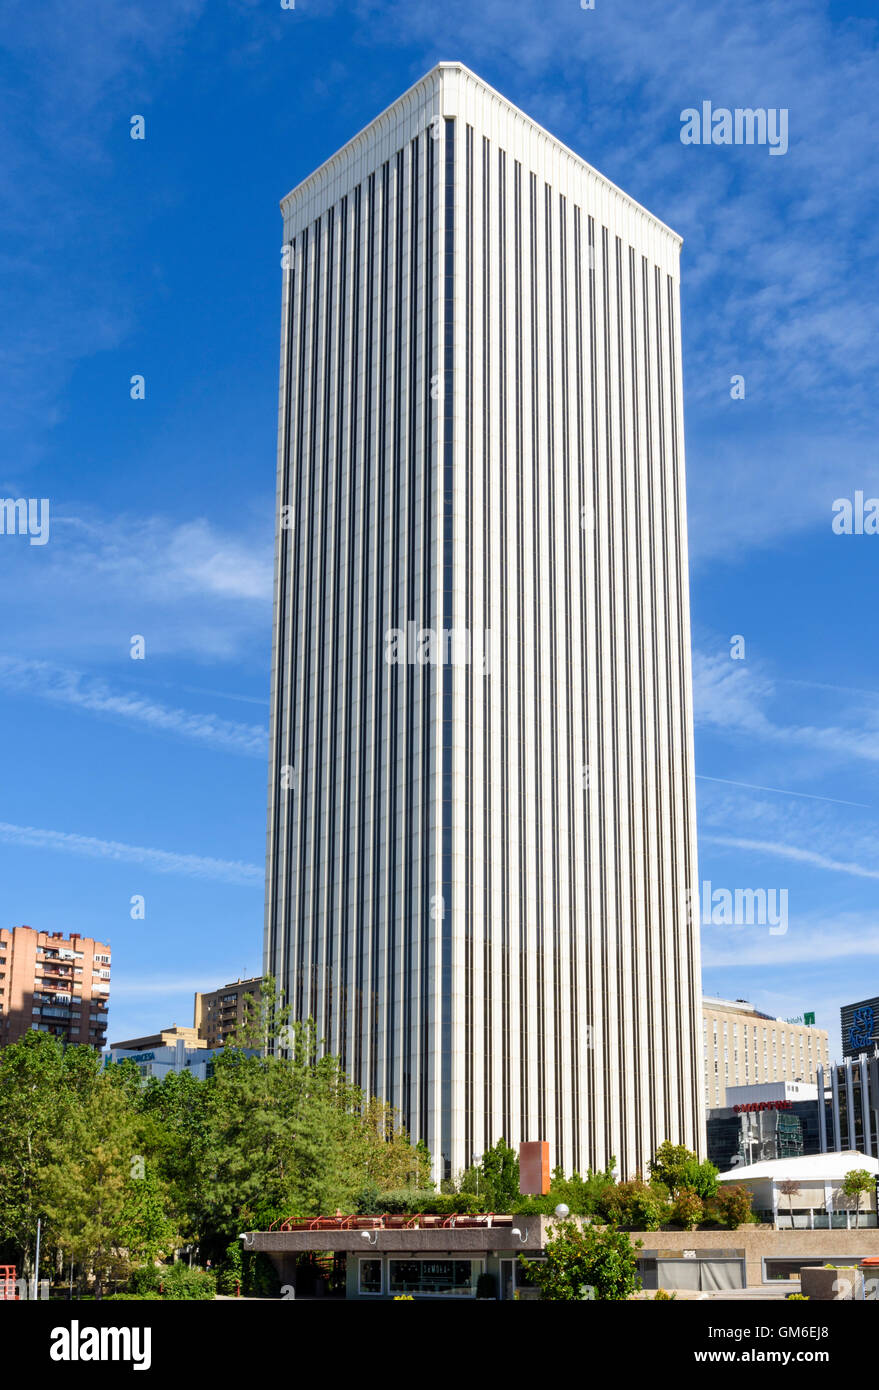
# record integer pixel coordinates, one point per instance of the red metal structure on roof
(391, 1221)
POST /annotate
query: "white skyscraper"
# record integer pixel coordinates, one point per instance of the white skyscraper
(481, 799)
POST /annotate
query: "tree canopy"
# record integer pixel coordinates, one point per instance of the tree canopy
(121, 1172)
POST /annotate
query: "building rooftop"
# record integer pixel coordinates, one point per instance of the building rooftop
(741, 1006)
(433, 80)
(829, 1167)
(164, 1038)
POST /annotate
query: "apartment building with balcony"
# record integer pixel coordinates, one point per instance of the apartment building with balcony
(53, 984)
(220, 1012)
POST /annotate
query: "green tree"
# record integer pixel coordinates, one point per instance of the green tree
(86, 1183)
(700, 1178)
(601, 1258)
(231, 1275)
(146, 1230)
(790, 1188)
(670, 1163)
(499, 1177)
(274, 1132)
(855, 1184)
(378, 1147)
(676, 1166)
(265, 1025)
(175, 1137)
(41, 1086)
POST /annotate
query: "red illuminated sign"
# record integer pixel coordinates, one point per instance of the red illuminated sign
(765, 1105)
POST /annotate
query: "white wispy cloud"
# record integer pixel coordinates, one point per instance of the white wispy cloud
(191, 588)
(811, 942)
(60, 686)
(781, 791)
(779, 850)
(163, 558)
(159, 860)
(732, 695)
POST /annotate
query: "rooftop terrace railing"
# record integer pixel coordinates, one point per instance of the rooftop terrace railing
(392, 1221)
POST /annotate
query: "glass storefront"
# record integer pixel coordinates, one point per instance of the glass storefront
(370, 1276)
(451, 1278)
(786, 1269)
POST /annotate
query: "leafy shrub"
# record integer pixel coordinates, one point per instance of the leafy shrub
(633, 1205)
(732, 1206)
(798, 1298)
(701, 1178)
(662, 1297)
(687, 1208)
(402, 1201)
(602, 1259)
(137, 1297)
(533, 1206)
(367, 1199)
(230, 1275)
(409, 1201)
(260, 1276)
(183, 1282)
(174, 1282)
(668, 1163)
(145, 1280)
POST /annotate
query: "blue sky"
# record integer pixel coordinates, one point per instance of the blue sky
(161, 257)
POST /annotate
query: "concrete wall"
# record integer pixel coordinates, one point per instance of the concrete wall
(760, 1242)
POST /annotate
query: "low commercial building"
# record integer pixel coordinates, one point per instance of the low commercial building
(160, 1059)
(386, 1256)
(381, 1259)
(814, 1199)
(777, 1120)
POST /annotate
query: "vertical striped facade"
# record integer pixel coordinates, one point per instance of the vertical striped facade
(478, 865)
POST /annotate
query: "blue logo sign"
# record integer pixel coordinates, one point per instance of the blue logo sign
(861, 1032)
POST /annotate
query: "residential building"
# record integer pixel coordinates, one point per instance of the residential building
(220, 1012)
(743, 1047)
(54, 984)
(481, 835)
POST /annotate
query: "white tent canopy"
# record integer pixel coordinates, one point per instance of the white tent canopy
(828, 1167)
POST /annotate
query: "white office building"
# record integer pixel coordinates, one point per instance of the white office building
(481, 799)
